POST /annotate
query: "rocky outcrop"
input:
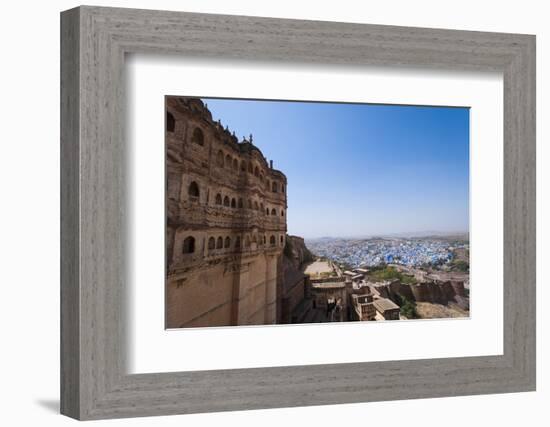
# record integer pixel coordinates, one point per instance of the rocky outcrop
(297, 252)
(294, 304)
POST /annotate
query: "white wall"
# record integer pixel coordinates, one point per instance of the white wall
(29, 168)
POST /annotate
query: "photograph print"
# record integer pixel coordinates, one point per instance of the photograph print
(295, 212)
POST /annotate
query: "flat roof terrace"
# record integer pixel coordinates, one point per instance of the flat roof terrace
(329, 285)
(384, 304)
(318, 268)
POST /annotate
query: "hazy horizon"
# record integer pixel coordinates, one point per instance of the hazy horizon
(359, 170)
(387, 235)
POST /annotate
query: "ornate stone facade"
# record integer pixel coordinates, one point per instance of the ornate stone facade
(226, 223)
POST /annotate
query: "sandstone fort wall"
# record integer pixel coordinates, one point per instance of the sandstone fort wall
(226, 223)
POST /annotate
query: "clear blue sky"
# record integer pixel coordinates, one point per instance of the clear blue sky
(356, 169)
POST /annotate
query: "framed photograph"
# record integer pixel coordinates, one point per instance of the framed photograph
(262, 213)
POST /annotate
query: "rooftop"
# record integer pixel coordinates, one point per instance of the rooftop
(384, 304)
(328, 285)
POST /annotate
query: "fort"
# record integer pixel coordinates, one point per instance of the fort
(226, 224)
(229, 260)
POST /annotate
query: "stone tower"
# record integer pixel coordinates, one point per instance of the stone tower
(225, 226)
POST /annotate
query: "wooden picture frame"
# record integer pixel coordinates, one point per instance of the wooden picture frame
(94, 382)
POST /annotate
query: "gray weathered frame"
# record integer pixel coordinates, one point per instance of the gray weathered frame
(94, 41)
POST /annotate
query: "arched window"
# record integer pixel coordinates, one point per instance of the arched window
(233, 203)
(250, 169)
(282, 212)
(243, 166)
(273, 211)
(267, 211)
(226, 201)
(227, 242)
(193, 190)
(228, 161)
(170, 122)
(256, 207)
(272, 240)
(256, 171)
(219, 159)
(211, 243)
(188, 245)
(249, 204)
(218, 199)
(274, 187)
(219, 243)
(198, 136)
(236, 165)
(237, 242)
(240, 205)
(282, 188)
(281, 240)
(265, 240)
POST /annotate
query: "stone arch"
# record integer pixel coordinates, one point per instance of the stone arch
(193, 190)
(219, 243)
(228, 160)
(227, 242)
(198, 136)
(218, 199)
(243, 166)
(219, 159)
(170, 122)
(273, 211)
(282, 212)
(236, 165)
(211, 243)
(188, 245)
(267, 211)
(272, 240)
(240, 204)
(274, 186)
(237, 242)
(233, 203)
(226, 201)
(282, 240)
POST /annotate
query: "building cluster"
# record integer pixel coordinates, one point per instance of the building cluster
(371, 252)
(347, 297)
(354, 295)
(367, 302)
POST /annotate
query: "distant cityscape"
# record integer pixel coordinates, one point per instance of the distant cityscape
(410, 252)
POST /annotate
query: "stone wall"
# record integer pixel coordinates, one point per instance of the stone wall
(226, 223)
(437, 292)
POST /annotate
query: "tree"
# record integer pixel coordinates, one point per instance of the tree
(408, 309)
